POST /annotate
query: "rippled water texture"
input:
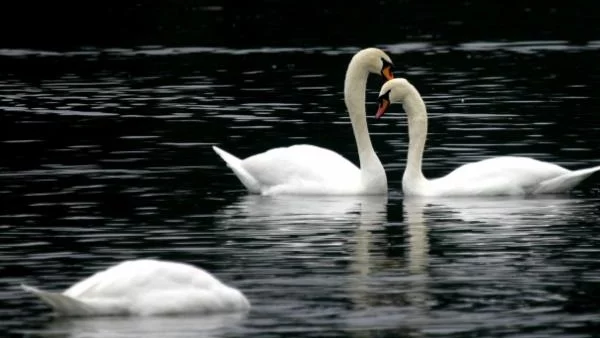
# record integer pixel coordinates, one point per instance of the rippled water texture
(106, 156)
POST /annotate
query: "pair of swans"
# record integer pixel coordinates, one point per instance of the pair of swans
(306, 169)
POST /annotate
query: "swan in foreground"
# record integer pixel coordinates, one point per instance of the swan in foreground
(505, 175)
(145, 287)
(310, 170)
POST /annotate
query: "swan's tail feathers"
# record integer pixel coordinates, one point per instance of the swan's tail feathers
(61, 304)
(242, 174)
(565, 182)
(231, 160)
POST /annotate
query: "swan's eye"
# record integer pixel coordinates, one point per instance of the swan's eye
(383, 103)
(387, 63)
(384, 97)
(387, 69)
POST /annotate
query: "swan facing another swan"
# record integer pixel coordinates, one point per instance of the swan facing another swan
(311, 170)
(145, 287)
(505, 175)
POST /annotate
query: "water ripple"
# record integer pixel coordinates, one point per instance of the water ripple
(108, 157)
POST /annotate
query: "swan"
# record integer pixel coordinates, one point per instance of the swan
(311, 170)
(145, 287)
(504, 175)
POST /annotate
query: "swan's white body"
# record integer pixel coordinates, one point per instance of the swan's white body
(299, 169)
(311, 170)
(505, 175)
(145, 287)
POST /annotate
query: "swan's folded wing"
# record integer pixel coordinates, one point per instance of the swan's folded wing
(302, 163)
(129, 278)
(505, 175)
(566, 182)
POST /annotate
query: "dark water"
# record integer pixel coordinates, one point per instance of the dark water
(106, 156)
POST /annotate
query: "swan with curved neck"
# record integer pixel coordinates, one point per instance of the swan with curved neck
(504, 175)
(311, 170)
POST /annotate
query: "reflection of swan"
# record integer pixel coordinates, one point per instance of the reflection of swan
(147, 327)
(505, 175)
(382, 302)
(418, 248)
(309, 220)
(418, 255)
(292, 224)
(307, 169)
(145, 287)
(506, 220)
(497, 210)
(288, 210)
(372, 218)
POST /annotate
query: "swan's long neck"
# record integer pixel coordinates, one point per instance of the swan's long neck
(417, 133)
(355, 86)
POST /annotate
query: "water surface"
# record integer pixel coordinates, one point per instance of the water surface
(107, 157)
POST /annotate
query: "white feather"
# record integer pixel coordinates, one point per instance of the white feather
(505, 175)
(311, 170)
(300, 169)
(145, 287)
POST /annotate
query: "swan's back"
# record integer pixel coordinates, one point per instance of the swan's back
(513, 167)
(146, 287)
(139, 276)
(505, 175)
(308, 165)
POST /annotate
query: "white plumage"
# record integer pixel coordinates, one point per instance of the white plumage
(505, 175)
(145, 287)
(298, 169)
(307, 169)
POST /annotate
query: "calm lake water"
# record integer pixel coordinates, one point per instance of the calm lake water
(106, 157)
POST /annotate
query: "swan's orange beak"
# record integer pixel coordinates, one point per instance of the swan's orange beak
(383, 106)
(386, 72)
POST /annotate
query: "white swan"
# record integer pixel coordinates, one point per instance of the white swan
(311, 170)
(505, 175)
(145, 287)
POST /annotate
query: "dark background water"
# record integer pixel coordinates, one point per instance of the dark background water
(61, 24)
(108, 112)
